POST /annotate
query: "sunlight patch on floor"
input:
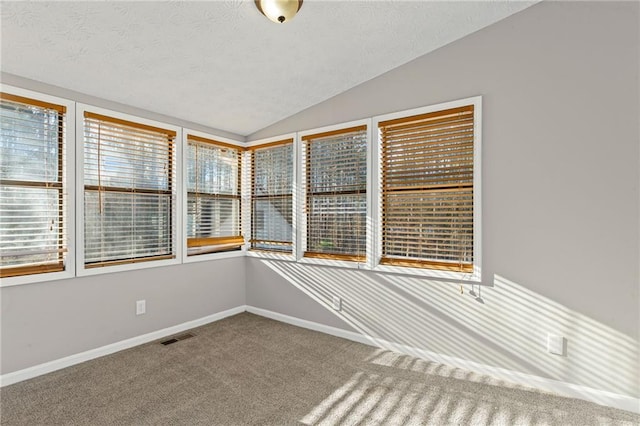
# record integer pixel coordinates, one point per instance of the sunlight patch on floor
(375, 400)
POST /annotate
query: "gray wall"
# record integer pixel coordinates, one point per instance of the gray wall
(560, 201)
(47, 321)
(43, 322)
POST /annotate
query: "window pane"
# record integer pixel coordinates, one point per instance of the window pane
(213, 199)
(129, 200)
(272, 186)
(212, 169)
(338, 164)
(29, 143)
(126, 226)
(338, 223)
(272, 224)
(29, 225)
(125, 158)
(336, 182)
(212, 217)
(427, 193)
(436, 226)
(32, 226)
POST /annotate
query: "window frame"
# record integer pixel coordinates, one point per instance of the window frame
(247, 184)
(300, 206)
(475, 275)
(81, 270)
(68, 188)
(184, 193)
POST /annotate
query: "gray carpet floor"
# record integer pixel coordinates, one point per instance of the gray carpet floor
(249, 370)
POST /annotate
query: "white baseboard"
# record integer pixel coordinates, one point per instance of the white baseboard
(48, 367)
(571, 390)
(611, 399)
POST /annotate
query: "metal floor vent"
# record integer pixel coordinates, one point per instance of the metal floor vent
(177, 338)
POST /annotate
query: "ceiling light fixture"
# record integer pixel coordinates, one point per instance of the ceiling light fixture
(279, 10)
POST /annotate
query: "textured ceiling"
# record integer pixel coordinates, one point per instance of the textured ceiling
(221, 63)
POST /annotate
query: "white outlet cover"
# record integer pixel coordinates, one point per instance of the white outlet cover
(141, 307)
(555, 344)
(337, 303)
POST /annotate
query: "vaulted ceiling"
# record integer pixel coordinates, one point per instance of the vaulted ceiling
(221, 63)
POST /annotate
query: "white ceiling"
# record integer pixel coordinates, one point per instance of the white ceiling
(221, 63)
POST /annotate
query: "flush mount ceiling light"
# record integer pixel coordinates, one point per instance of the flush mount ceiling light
(279, 10)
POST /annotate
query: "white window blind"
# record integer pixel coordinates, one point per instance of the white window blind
(271, 196)
(427, 190)
(32, 191)
(213, 196)
(129, 191)
(335, 165)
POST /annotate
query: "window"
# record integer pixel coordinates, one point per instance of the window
(272, 196)
(425, 217)
(33, 219)
(129, 192)
(427, 199)
(335, 167)
(213, 196)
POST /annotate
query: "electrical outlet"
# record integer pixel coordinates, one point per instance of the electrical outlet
(555, 344)
(337, 303)
(141, 307)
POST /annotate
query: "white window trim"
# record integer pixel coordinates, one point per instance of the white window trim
(300, 209)
(474, 276)
(81, 271)
(68, 188)
(183, 192)
(247, 223)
